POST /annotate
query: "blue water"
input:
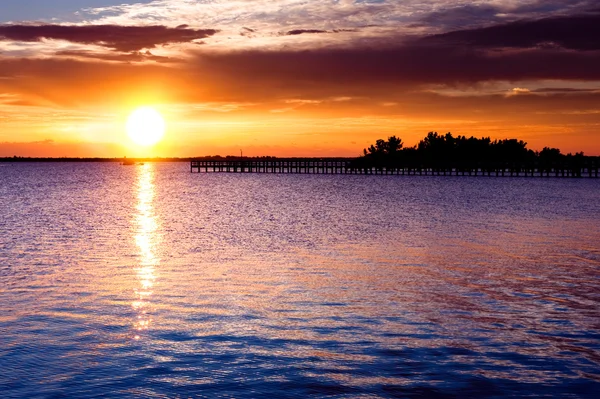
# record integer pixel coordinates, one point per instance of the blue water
(151, 282)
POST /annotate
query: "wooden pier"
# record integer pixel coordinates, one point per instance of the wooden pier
(348, 166)
(279, 165)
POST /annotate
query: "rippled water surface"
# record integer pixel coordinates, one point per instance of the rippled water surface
(151, 282)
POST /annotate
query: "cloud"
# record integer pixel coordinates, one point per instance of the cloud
(507, 52)
(296, 32)
(134, 56)
(456, 14)
(256, 76)
(268, 18)
(462, 16)
(285, 24)
(560, 7)
(575, 32)
(557, 48)
(120, 38)
(407, 64)
(302, 31)
(346, 70)
(518, 91)
(565, 90)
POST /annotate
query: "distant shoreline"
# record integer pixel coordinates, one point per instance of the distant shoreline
(158, 159)
(89, 160)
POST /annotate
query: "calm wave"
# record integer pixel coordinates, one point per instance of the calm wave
(151, 282)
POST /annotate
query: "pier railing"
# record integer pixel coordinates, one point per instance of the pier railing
(349, 166)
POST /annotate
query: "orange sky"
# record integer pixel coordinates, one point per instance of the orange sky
(301, 83)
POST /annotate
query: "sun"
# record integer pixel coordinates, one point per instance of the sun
(145, 126)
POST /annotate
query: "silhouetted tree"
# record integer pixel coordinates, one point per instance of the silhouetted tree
(448, 152)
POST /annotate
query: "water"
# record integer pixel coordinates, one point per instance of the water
(151, 282)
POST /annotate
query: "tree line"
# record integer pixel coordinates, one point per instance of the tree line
(446, 151)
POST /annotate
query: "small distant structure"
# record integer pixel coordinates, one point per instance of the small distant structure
(127, 162)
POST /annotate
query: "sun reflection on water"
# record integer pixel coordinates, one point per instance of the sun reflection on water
(145, 237)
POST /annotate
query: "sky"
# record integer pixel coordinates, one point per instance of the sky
(296, 78)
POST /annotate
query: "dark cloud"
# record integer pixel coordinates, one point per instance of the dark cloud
(315, 31)
(553, 90)
(247, 32)
(255, 75)
(121, 38)
(578, 32)
(303, 31)
(484, 15)
(562, 48)
(463, 16)
(545, 7)
(408, 64)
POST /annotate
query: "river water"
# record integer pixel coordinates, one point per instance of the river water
(151, 282)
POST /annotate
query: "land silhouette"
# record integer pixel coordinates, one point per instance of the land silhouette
(435, 154)
(444, 152)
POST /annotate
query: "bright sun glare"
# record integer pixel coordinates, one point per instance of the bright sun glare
(145, 126)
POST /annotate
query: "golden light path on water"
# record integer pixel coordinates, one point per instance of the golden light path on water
(146, 225)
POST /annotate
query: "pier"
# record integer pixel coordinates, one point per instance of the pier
(276, 165)
(335, 166)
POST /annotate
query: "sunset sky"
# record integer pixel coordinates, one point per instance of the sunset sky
(296, 78)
